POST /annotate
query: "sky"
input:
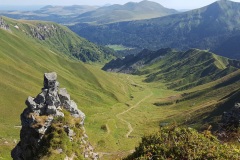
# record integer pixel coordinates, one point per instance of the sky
(175, 4)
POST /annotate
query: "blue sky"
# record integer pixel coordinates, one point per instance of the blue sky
(176, 4)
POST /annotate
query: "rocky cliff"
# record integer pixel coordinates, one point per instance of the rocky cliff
(3, 24)
(52, 126)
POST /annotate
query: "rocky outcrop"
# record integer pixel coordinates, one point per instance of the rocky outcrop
(3, 24)
(43, 31)
(230, 124)
(39, 115)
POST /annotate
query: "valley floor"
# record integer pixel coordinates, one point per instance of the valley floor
(117, 129)
(121, 127)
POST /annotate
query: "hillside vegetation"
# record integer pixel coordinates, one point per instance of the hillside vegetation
(209, 27)
(61, 39)
(178, 70)
(183, 143)
(119, 108)
(22, 64)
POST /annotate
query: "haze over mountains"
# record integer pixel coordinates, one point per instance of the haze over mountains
(94, 14)
(210, 27)
(127, 12)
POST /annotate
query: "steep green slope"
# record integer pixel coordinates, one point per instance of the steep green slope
(179, 70)
(205, 28)
(61, 39)
(22, 63)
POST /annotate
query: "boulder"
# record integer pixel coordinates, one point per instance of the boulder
(40, 98)
(30, 103)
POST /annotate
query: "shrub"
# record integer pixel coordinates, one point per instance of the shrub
(177, 143)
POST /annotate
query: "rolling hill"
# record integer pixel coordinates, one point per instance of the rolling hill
(58, 14)
(92, 14)
(209, 27)
(59, 38)
(127, 12)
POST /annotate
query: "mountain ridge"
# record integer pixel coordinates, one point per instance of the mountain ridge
(129, 11)
(205, 28)
(69, 15)
(180, 70)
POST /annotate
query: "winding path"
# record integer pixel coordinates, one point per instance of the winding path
(132, 107)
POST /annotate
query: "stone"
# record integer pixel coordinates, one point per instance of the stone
(40, 98)
(30, 103)
(53, 99)
(59, 150)
(51, 109)
(50, 80)
(71, 106)
(63, 95)
(59, 113)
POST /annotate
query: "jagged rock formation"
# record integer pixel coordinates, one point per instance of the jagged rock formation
(39, 116)
(43, 31)
(3, 24)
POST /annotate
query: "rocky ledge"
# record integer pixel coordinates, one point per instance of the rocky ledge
(41, 112)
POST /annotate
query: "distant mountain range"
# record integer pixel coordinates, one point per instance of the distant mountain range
(93, 14)
(58, 14)
(127, 12)
(180, 70)
(214, 27)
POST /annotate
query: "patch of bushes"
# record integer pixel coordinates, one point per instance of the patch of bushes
(177, 143)
(163, 103)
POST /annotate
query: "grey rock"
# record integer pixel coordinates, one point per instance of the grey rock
(71, 106)
(69, 131)
(30, 103)
(59, 150)
(40, 98)
(59, 113)
(50, 80)
(51, 110)
(63, 95)
(53, 99)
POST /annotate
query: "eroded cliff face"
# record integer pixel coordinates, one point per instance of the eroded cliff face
(52, 126)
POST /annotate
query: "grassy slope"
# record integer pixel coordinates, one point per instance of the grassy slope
(104, 97)
(22, 64)
(100, 95)
(184, 70)
(61, 39)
